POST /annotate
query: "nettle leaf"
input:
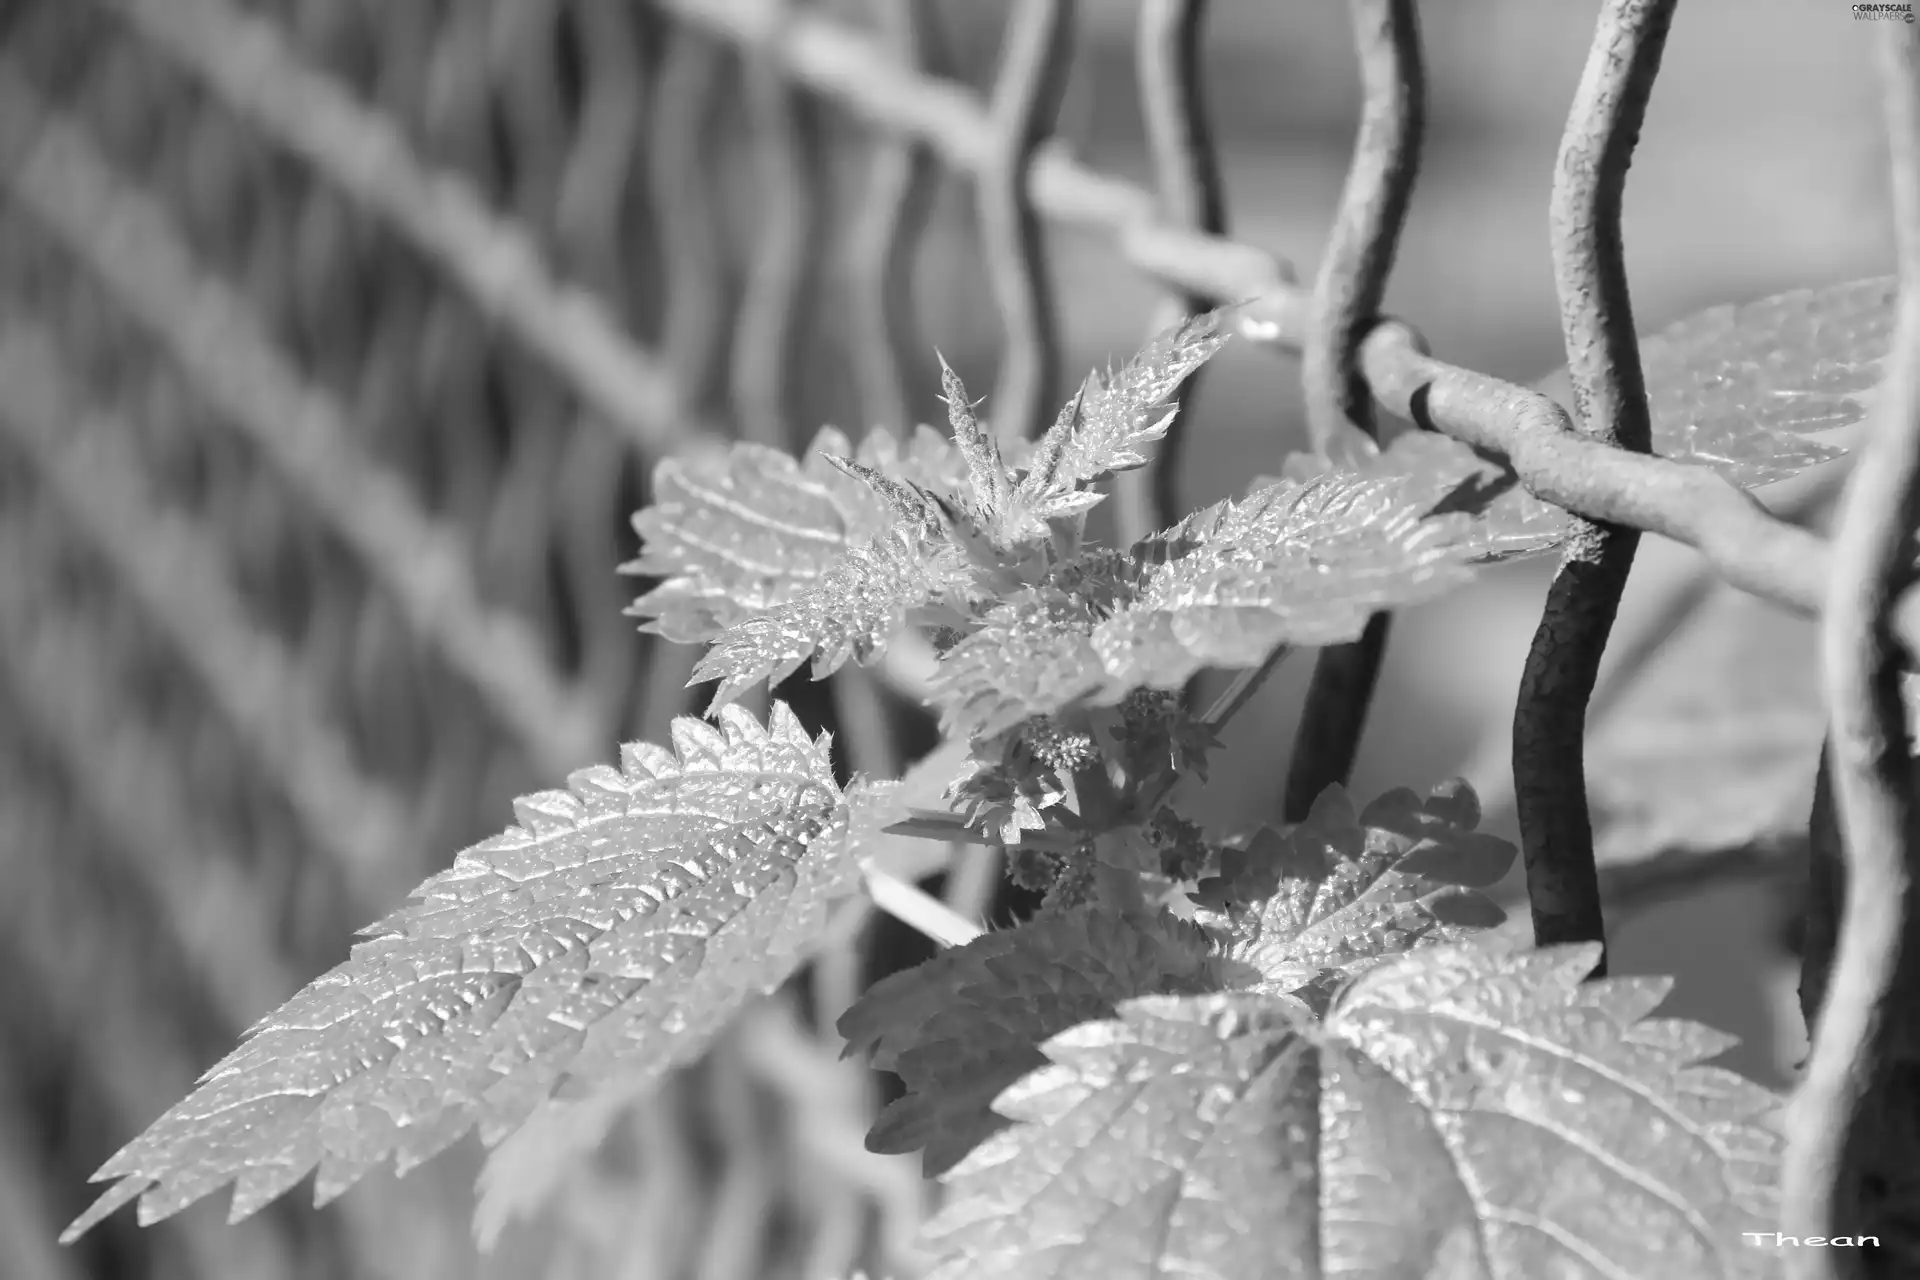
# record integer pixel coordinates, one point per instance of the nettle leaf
(1298, 913)
(987, 475)
(1715, 743)
(615, 929)
(737, 532)
(962, 1026)
(1294, 564)
(852, 611)
(1461, 1112)
(1108, 424)
(1736, 388)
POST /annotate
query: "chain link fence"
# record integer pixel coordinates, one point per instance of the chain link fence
(339, 338)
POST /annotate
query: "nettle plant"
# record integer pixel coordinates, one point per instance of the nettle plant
(1298, 1052)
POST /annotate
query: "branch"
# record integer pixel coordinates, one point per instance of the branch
(1610, 397)
(1842, 1117)
(1347, 295)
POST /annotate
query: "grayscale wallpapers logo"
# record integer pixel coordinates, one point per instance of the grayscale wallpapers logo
(1883, 13)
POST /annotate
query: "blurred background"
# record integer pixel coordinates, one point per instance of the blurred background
(321, 423)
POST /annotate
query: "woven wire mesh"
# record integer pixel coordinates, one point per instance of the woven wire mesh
(339, 338)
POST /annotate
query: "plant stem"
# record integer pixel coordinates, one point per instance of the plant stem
(918, 909)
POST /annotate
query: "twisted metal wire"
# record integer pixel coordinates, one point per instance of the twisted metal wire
(456, 271)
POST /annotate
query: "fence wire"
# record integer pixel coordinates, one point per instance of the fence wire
(339, 338)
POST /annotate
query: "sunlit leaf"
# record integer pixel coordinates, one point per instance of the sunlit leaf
(614, 930)
(1294, 564)
(1298, 913)
(1461, 1112)
(967, 1023)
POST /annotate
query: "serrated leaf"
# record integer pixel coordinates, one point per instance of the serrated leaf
(615, 929)
(1735, 388)
(852, 611)
(1462, 1112)
(1295, 564)
(739, 531)
(987, 479)
(968, 1022)
(1298, 913)
(1109, 423)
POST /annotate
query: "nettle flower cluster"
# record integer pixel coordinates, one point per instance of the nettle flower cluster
(1197, 1058)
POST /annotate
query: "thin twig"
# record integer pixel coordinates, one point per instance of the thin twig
(1347, 295)
(1610, 398)
(1186, 162)
(1026, 99)
(1839, 1124)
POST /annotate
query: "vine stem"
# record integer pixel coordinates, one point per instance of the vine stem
(1347, 296)
(1610, 402)
(1841, 1114)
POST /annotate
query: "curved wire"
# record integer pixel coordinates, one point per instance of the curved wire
(1610, 399)
(1845, 1127)
(1021, 110)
